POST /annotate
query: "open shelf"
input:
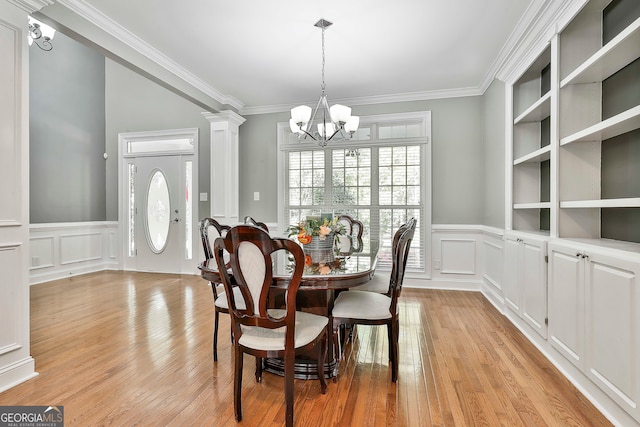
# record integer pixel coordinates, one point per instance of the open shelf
(535, 205)
(538, 111)
(537, 156)
(617, 125)
(615, 55)
(629, 202)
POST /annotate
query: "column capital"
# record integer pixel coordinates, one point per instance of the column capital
(224, 116)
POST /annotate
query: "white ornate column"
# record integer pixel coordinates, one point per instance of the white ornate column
(16, 363)
(224, 167)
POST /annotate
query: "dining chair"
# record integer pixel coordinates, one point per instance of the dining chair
(261, 331)
(250, 221)
(372, 308)
(381, 281)
(354, 230)
(210, 229)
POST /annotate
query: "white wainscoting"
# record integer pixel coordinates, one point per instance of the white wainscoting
(67, 249)
(464, 257)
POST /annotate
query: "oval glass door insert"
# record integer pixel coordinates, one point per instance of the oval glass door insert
(158, 212)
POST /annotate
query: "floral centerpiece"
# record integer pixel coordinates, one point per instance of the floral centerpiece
(314, 228)
(317, 237)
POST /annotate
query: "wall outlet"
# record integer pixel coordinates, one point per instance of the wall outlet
(35, 261)
(203, 197)
(256, 195)
(436, 264)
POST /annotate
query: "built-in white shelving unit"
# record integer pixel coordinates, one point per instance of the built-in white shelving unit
(532, 96)
(595, 113)
(574, 177)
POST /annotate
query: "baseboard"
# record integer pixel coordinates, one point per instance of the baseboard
(491, 295)
(17, 373)
(442, 284)
(34, 279)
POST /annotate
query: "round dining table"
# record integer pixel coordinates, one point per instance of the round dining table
(321, 282)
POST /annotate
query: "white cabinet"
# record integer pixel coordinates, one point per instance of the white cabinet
(525, 278)
(566, 302)
(594, 316)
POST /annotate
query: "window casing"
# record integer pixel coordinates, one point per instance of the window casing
(382, 177)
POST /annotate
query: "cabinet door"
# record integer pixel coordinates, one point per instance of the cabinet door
(566, 303)
(534, 285)
(511, 282)
(612, 301)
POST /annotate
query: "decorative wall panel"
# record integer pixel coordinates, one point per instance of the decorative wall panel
(458, 256)
(10, 161)
(10, 315)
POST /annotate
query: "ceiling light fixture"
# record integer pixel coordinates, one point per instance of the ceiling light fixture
(335, 123)
(40, 34)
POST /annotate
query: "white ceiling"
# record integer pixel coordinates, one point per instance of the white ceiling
(267, 54)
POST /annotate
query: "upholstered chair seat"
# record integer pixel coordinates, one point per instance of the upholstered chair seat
(308, 326)
(362, 305)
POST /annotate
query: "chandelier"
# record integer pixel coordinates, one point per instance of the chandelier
(335, 123)
(40, 34)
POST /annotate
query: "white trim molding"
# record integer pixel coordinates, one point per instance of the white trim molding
(31, 6)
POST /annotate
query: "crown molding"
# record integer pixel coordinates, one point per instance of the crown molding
(31, 5)
(100, 20)
(551, 16)
(521, 28)
(370, 100)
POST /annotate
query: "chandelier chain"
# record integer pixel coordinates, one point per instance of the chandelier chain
(323, 59)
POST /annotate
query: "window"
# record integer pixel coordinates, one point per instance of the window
(381, 177)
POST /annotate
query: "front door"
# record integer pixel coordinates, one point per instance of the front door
(159, 214)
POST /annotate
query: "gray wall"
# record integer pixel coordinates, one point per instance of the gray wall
(457, 159)
(67, 139)
(493, 108)
(134, 104)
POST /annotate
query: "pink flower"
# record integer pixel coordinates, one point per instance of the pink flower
(324, 269)
(323, 232)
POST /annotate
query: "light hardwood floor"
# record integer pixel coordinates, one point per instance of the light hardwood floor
(119, 348)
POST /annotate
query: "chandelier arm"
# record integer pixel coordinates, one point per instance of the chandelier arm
(307, 133)
(338, 130)
(315, 110)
